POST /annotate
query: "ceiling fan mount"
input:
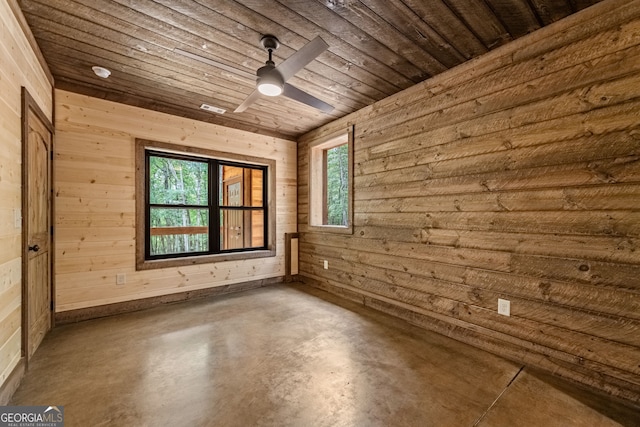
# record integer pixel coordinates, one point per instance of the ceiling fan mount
(269, 42)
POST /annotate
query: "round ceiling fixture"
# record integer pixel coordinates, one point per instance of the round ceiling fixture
(270, 83)
(101, 72)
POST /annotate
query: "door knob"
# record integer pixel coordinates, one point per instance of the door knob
(34, 248)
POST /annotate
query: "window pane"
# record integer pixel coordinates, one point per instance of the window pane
(231, 229)
(257, 229)
(241, 229)
(257, 182)
(176, 231)
(178, 182)
(337, 182)
(241, 186)
(231, 186)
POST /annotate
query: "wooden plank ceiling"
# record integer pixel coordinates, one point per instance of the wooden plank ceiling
(377, 48)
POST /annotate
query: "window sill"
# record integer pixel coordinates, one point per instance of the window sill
(202, 259)
(337, 229)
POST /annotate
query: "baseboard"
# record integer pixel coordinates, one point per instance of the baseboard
(82, 314)
(12, 382)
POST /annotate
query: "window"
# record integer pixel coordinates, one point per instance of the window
(198, 206)
(336, 181)
(331, 183)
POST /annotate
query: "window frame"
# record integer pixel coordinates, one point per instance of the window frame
(217, 158)
(318, 182)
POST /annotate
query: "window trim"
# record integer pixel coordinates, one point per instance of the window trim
(317, 190)
(141, 146)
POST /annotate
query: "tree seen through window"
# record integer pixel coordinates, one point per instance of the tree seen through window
(337, 185)
(179, 212)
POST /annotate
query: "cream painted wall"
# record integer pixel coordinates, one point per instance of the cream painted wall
(94, 175)
(19, 67)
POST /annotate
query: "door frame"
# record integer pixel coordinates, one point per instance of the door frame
(29, 104)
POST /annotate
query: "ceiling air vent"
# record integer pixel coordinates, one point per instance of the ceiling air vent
(213, 109)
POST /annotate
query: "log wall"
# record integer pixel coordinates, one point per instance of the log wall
(19, 66)
(94, 171)
(515, 176)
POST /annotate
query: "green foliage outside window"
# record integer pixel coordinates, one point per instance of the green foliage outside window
(179, 191)
(338, 185)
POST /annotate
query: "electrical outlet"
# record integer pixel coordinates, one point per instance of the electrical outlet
(121, 279)
(504, 307)
(326, 264)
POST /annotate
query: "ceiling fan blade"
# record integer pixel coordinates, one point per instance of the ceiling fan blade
(302, 96)
(253, 97)
(215, 63)
(298, 60)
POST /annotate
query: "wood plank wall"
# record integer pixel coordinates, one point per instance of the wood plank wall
(19, 67)
(513, 176)
(95, 201)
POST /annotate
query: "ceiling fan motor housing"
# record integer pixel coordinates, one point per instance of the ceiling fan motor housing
(270, 81)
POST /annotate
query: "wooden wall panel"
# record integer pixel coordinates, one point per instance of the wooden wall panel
(94, 173)
(19, 67)
(515, 176)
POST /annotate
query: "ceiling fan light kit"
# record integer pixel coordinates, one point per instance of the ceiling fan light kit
(266, 87)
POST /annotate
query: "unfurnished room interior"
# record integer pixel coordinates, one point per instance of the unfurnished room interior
(320, 212)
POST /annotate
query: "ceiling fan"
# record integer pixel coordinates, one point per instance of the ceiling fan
(272, 80)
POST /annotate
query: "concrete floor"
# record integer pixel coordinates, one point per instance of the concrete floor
(291, 356)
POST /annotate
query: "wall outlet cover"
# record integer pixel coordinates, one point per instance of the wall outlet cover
(504, 307)
(121, 279)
